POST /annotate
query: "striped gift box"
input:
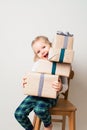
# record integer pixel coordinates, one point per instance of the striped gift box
(39, 84)
(61, 55)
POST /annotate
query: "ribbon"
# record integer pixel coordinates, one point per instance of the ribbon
(53, 67)
(61, 55)
(64, 34)
(65, 42)
(41, 82)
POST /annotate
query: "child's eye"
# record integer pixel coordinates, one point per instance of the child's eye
(44, 46)
(38, 52)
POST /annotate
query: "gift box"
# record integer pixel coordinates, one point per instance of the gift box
(61, 55)
(39, 84)
(46, 66)
(62, 40)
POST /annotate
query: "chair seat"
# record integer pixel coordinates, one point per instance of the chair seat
(62, 106)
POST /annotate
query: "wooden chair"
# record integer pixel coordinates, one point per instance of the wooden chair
(63, 108)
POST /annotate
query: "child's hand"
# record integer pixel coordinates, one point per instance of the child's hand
(24, 82)
(57, 85)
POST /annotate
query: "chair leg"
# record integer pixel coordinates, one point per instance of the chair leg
(63, 123)
(34, 120)
(72, 121)
(36, 123)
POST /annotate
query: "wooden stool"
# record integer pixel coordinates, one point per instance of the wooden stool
(63, 108)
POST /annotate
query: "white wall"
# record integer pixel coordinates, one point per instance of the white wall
(20, 22)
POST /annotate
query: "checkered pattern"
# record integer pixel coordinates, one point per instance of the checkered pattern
(39, 105)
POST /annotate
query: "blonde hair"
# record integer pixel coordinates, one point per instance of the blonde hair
(45, 39)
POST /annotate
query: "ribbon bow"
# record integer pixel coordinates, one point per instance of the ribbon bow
(64, 34)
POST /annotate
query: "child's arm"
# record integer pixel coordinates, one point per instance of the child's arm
(57, 85)
(64, 84)
(24, 82)
(61, 85)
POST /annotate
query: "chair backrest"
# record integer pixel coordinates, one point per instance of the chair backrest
(65, 95)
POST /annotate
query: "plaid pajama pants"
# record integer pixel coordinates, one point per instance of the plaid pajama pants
(39, 105)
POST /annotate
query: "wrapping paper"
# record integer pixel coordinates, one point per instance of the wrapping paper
(46, 66)
(39, 84)
(63, 41)
(61, 55)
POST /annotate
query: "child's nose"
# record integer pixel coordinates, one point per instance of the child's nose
(42, 51)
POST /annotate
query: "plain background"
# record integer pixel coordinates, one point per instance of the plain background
(20, 22)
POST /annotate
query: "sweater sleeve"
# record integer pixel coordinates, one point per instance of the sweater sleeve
(64, 84)
(35, 66)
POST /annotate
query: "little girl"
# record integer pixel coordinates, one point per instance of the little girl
(39, 105)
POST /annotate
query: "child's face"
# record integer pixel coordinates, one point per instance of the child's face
(41, 49)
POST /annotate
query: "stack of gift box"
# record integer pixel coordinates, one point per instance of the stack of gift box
(39, 82)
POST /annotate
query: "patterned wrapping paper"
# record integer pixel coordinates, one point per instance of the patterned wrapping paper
(39, 84)
(61, 55)
(63, 41)
(45, 66)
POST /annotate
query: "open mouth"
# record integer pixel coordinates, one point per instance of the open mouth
(46, 56)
